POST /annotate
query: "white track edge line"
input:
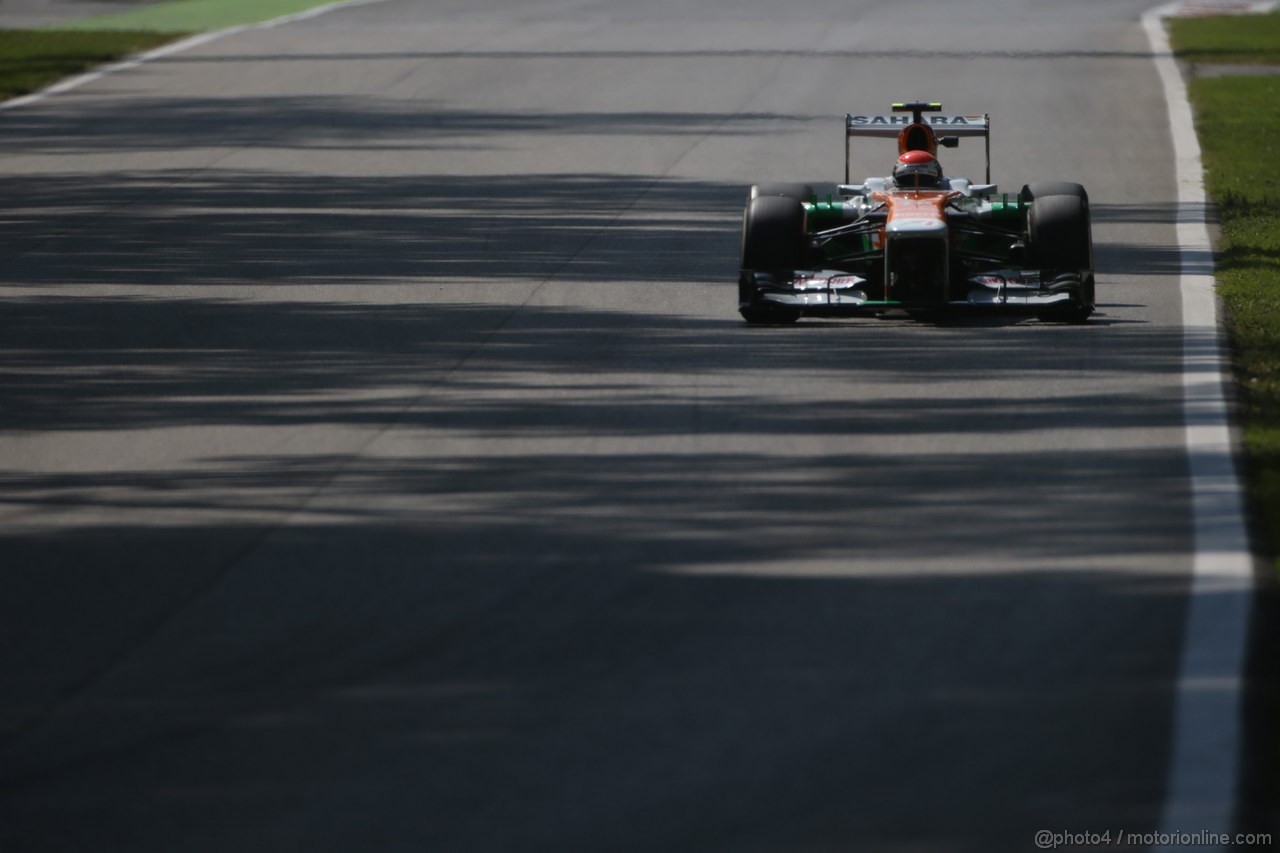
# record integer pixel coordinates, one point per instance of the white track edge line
(1204, 761)
(170, 49)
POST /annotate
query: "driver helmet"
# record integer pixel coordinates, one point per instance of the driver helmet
(917, 168)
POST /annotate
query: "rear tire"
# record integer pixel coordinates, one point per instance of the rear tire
(1039, 189)
(799, 192)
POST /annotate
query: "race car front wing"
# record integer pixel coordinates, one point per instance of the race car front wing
(836, 293)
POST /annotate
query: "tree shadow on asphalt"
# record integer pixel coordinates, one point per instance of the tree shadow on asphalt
(454, 684)
(233, 227)
(552, 648)
(366, 124)
(120, 363)
(591, 643)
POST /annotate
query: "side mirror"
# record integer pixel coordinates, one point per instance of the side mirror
(949, 141)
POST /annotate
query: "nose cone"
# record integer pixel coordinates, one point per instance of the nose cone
(911, 226)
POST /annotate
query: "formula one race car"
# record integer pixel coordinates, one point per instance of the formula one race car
(916, 240)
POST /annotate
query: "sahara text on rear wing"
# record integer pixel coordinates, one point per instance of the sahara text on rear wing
(918, 131)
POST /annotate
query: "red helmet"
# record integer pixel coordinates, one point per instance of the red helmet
(917, 169)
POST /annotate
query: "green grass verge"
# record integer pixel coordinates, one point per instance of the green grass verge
(33, 59)
(194, 15)
(1231, 39)
(1238, 121)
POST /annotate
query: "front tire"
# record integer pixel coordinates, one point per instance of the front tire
(774, 240)
(1060, 240)
(1058, 228)
(757, 311)
(774, 234)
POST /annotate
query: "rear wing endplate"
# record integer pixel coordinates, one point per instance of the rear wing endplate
(943, 126)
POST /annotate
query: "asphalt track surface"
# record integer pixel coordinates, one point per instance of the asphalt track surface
(385, 466)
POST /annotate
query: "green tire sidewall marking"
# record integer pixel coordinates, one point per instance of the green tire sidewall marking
(191, 16)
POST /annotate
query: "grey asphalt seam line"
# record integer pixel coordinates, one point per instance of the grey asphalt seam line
(1204, 756)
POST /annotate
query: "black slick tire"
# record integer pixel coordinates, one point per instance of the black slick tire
(799, 192)
(774, 240)
(1060, 241)
(1059, 233)
(1040, 189)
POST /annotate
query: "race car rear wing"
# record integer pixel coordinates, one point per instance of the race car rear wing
(946, 130)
